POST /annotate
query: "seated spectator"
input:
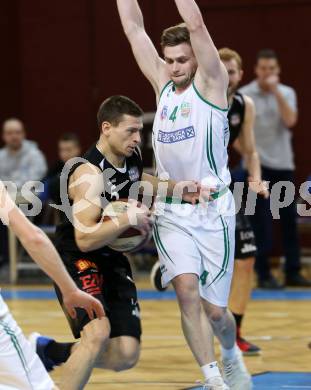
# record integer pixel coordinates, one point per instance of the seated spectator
(68, 147)
(20, 159)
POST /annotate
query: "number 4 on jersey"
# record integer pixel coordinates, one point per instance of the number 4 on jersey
(203, 278)
(173, 115)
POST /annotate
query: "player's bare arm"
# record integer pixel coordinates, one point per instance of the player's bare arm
(211, 78)
(42, 251)
(246, 146)
(91, 232)
(146, 55)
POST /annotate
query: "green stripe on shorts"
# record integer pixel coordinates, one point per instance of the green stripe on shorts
(10, 332)
(225, 262)
(159, 243)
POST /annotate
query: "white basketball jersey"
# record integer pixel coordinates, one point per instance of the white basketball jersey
(190, 138)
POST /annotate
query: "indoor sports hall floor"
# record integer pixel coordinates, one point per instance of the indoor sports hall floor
(280, 322)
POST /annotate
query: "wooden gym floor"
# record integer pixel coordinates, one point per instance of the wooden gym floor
(282, 328)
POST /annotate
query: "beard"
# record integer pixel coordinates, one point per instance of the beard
(231, 91)
(185, 81)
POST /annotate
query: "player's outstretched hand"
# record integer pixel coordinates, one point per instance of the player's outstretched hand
(140, 216)
(194, 192)
(82, 300)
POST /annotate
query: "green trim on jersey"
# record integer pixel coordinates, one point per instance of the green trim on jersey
(164, 88)
(207, 102)
(225, 262)
(174, 200)
(211, 143)
(209, 146)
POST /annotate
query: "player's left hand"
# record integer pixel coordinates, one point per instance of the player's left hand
(260, 187)
(193, 192)
(82, 300)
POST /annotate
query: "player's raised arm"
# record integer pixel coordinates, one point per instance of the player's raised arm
(210, 67)
(146, 55)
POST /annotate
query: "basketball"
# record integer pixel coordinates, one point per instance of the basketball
(130, 240)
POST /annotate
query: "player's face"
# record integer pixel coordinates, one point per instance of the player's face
(265, 68)
(124, 137)
(68, 150)
(13, 135)
(180, 63)
(235, 75)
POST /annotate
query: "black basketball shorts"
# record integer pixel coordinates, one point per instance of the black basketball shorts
(109, 279)
(245, 244)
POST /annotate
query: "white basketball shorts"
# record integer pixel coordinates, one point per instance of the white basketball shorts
(20, 367)
(197, 240)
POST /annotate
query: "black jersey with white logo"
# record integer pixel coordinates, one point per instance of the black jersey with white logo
(117, 183)
(236, 116)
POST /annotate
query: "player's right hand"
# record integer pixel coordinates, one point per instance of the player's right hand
(82, 300)
(139, 216)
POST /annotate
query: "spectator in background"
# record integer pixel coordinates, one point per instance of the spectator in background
(68, 147)
(276, 113)
(20, 159)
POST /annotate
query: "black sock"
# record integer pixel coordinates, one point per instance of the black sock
(238, 320)
(58, 352)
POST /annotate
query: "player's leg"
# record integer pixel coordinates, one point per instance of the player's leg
(242, 281)
(216, 244)
(93, 334)
(187, 291)
(120, 295)
(241, 288)
(122, 353)
(223, 324)
(20, 367)
(93, 342)
(181, 264)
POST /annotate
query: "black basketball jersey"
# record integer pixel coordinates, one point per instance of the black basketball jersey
(236, 116)
(117, 184)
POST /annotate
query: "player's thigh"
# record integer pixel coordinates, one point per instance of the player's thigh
(84, 270)
(177, 250)
(217, 251)
(245, 244)
(20, 367)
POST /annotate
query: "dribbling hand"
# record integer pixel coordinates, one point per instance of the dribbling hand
(82, 300)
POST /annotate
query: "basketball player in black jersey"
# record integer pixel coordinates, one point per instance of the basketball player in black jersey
(108, 172)
(241, 118)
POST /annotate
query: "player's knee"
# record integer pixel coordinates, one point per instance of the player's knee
(127, 358)
(95, 336)
(216, 314)
(187, 291)
(249, 264)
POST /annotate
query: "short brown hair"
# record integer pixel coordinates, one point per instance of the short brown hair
(227, 54)
(267, 54)
(69, 137)
(113, 109)
(175, 35)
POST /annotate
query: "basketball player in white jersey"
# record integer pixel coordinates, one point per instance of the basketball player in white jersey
(190, 138)
(20, 367)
